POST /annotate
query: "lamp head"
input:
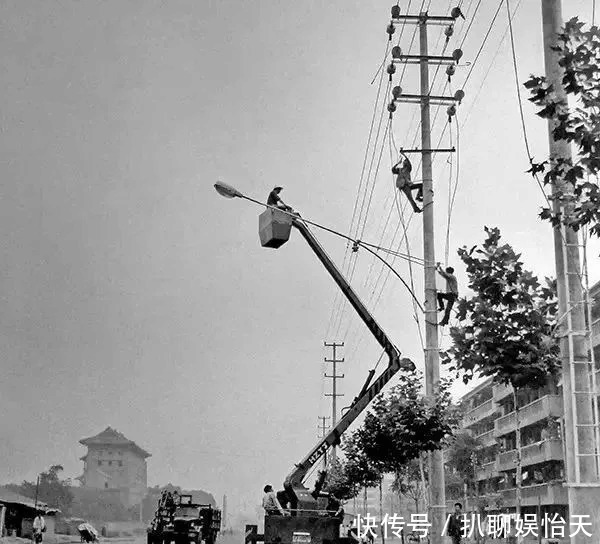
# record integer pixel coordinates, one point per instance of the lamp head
(227, 190)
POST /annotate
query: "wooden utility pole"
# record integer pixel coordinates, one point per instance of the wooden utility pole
(334, 377)
(578, 381)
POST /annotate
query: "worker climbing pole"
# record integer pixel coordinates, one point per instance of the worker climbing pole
(437, 502)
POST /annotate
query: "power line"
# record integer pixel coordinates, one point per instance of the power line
(518, 89)
(361, 179)
(483, 44)
(490, 66)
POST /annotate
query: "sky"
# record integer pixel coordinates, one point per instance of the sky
(134, 296)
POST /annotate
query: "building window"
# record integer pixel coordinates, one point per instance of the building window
(120, 463)
(110, 453)
(109, 463)
(99, 463)
(105, 485)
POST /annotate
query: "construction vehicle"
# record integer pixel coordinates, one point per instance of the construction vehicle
(310, 522)
(182, 521)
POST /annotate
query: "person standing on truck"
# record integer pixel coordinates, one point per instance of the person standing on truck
(451, 293)
(271, 504)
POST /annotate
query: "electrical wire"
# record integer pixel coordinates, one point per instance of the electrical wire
(489, 69)
(487, 34)
(518, 90)
(361, 180)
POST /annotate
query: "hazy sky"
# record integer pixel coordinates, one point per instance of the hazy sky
(133, 296)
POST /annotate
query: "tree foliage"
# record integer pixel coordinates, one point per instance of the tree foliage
(340, 482)
(360, 469)
(506, 328)
(52, 490)
(408, 482)
(403, 424)
(579, 56)
(461, 456)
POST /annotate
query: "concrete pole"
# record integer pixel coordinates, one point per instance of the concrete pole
(334, 394)
(581, 472)
(437, 494)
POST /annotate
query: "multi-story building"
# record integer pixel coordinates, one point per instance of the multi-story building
(113, 462)
(489, 414)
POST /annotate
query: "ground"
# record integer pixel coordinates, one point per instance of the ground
(235, 538)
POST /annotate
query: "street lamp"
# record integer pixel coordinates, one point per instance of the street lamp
(227, 190)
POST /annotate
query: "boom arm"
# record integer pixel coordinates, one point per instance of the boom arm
(296, 477)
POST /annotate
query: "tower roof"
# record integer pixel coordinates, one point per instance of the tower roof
(112, 437)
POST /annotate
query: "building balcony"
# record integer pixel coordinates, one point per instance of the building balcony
(486, 471)
(533, 454)
(487, 439)
(550, 493)
(596, 332)
(548, 405)
(502, 391)
(479, 413)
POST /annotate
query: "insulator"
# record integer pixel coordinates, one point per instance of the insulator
(395, 11)
(396, 92)
(390, 30)
(451, 111)
(391, 69)
(391, 107)
(457, 54)
(459, 95)
(396, 52)
(449, 31)
(450, 70)
(456, 13)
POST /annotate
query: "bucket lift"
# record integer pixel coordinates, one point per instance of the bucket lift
(309, 521)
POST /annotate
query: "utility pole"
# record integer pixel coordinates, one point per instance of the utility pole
(323, 430)
(334, 377)
(578, 374)
(224, 514)
(437, 492)
(323, 426)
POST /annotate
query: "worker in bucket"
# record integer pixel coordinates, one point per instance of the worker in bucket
(402, 170)
(271, 503)
(450, 295)
(275, 200)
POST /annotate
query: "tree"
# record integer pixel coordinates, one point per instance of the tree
(461, 464)
(404, 424)
(506, 329)
(579, 125)
(360, 469)
(339, 482)
(51, 490)
(410, 481)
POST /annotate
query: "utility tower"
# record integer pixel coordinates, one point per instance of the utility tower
(323, 427)
(334, 377)
(437, 493)
(581, 433)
